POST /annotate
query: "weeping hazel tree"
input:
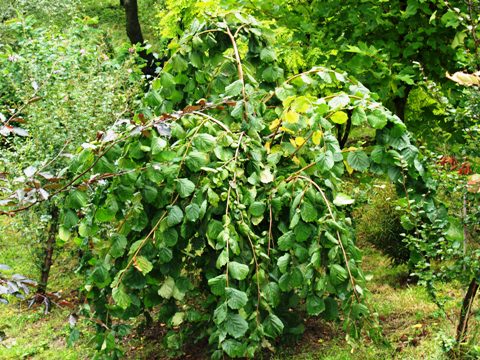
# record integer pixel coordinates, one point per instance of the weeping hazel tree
(218, 209)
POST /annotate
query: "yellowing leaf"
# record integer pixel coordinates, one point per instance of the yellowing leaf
(348, 167)
(465, 79)
(291, 117)
(287, 130)
(274, 124)
(299, 141)
(339, 117)
(267, 146)
(292, 141)
(316, 137)
(296, 160)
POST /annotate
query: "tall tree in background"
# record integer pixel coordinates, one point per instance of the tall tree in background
(134, 33)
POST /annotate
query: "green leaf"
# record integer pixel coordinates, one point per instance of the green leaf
(455, 230)
(283, 262)
(325, 161)
(302, 231)
(257, 208)
(175, 216)
(77, 199)
(268, 55)
(168, 237)
(308, 212)
(286, 241)
(358, 116)
(235, 325)
(204, 142)
(338, 274)
(273, 326)
(192, 212)
(339, 117)
(272, 73)
(218, 284)
(331, 309)
(166, 290)
(142, 264)
(358, 160)
(178, 318)
(237, 270)
(196, 160)
(272, 294)
(158, 144)
(377, 119)
(236, 299)
(315, 305)
(119, 243)
(220, 313)
(343, 199)
(185, 187)
(233, 348)
(121, 297)
(234, 88)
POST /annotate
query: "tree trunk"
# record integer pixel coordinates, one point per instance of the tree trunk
(466, 310)
(49, 248)
(134, 33)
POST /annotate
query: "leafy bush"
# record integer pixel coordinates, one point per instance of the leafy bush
(226, 214)
(378, 223)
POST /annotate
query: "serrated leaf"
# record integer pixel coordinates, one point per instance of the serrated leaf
(308, 212)
(257, 208)
(358, 116)
(235, 325)
(234, 88)
(237, 271)
(315, 305)
(233, 348)
(272, 294)
(236, 299)
(142, 264)
(218, 284)
(185, 187)
(204, 142)
(358, 160)
(192, 212)
(377, 119)
(286, 241)
(268, 55)
(175, 216)
(273, 326)
(325, 161)
(283, 262)
(338, 274)
(158, 145)
(166, 290)
(120, 297)
(220, 313)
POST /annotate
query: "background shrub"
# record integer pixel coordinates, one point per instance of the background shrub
(378, 223)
